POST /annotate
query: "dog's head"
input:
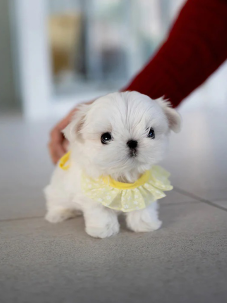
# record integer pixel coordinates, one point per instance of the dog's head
(122, 134)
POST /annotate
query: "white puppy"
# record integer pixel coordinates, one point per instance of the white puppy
(120, 136)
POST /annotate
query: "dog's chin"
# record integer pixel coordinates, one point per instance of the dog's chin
(127, 167)
(126, 171)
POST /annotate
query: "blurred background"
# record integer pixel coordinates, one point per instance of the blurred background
(57, 53)
(53, 55)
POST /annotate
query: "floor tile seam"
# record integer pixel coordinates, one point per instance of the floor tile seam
(206, 201)
(21, 219)
(39, 217)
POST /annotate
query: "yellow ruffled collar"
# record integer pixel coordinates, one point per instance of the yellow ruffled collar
(120, 185)
(124, 196)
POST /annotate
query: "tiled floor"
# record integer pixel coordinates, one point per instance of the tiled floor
(185, 261)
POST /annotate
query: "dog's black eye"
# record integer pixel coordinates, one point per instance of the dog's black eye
(105, 138)
(151, 133)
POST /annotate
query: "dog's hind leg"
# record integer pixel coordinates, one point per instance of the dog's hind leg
(58, 214)
(58, 208)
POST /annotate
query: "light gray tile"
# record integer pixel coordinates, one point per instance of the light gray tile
(221, 203)
(31, 203)
(185, 261)
(197, 155)
(25, 168)
(14, 206)
(173, 197)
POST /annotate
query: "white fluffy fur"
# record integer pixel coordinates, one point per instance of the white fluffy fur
(126, 116)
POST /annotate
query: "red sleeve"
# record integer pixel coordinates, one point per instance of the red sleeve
(195, 48)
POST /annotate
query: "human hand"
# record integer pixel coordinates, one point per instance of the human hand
(58, 143)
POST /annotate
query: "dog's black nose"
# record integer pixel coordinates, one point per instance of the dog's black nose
(132, 144)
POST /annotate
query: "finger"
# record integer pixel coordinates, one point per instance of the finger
(59, 150)
(56, 135)
(65, 145)
(52, 153)
(63, 123)
(58, 144)
(56, 151)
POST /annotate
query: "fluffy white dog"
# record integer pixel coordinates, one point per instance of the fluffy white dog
(119, 137)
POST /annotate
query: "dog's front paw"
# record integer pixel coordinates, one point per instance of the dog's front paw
(59, 215)
(148, 226)
(145, 226)
(108, 230)
(144, 220)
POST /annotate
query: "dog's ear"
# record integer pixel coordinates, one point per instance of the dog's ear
(172, 115)
(72, 131)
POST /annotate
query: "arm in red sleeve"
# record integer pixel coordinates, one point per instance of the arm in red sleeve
(195, 48)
